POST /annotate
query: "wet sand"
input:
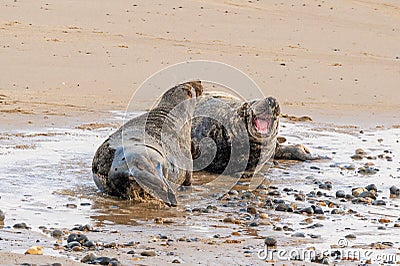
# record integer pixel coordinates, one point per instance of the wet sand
(70, 68)
(231, 229)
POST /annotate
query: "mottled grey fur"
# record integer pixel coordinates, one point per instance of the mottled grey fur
(213, 140)
(139, 161)
(224, 137)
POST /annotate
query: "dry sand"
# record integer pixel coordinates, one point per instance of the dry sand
(69, 58)
(69, 62)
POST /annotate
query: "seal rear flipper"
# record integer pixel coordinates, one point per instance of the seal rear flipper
(155, 184)
(296, 152)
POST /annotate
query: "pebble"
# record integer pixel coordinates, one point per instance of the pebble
(71, 206)
(88, 258)
(77, 237)
(233, 192)
(262, 187)
(148, 253)
(110, 245)
(394, 191)
(384, 220)
(371, 187)
(86, 227)
(230, 220)
(2, 216)
(351, 236)
(248, 195)
(103, 261)
(307, 210)
(300, 197)
(311, 194)
(251, 210)
(35, 250)
(89, 244)
(357, 157)
(282, 207)
(114, 262)
(254, 224)
(176, 261)
(316, 225)
(77, 249)
(379, 202)
(366, 170)
(298, 234)
(337, 211)
(350, 167)
(270, 241)
(317, 210)
(340, 194)
(274, 193)
(57, 233)
(356, 192)
(73, 244)
(21, 226)
(367, 194)
(360, 151)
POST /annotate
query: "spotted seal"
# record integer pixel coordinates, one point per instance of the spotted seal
(230, 136)
(139, 160)
(223, 123)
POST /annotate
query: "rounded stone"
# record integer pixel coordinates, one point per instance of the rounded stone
(340, 194)
(270, 241)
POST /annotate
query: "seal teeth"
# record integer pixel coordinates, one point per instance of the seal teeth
(263, 124)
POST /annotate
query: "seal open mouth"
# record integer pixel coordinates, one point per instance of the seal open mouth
(263, 124)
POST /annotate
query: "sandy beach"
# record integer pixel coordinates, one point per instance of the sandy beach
(334, 61)
(71, 67)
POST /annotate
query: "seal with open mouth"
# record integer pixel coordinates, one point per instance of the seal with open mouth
(140, 160)
(230, 136)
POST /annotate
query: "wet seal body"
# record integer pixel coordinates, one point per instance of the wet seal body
(231, 136)
(260, 119)
(140, 160)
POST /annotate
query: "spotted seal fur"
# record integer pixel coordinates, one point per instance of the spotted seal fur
(255, 122)
(230, 136)
(139, 160)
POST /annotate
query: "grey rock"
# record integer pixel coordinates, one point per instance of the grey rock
(270, 241)
(148, 253)
(340, 194)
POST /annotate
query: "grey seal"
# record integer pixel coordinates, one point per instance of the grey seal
(141, 160)
(230, 136)
(223, 123)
